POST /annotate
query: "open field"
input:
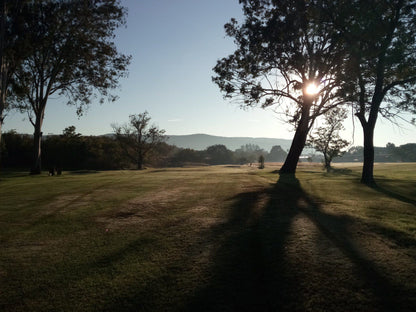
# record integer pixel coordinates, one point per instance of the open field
(223, 238)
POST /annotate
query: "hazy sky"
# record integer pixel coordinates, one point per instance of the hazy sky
(174, 45)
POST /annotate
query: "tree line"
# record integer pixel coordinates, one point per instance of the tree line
(73, 151)
(389, 153)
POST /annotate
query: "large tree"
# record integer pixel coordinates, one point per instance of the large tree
(380, 70)
(138, 138)
(72, 54)
(287, 55)
(12, 48)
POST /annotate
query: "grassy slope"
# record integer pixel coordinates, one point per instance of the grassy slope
(212, 238)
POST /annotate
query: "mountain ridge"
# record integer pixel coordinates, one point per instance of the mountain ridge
(200, 141)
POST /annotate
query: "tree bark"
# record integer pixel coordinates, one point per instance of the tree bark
(298, 143)
(37, 144)
(367, 175)
(37, 152)
(3, 67)
(1, 125)
(140, 162)
(327, 163)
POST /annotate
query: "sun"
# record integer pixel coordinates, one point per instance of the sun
(311, 89)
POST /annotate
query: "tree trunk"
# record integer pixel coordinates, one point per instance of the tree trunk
(1, 125)
(37, 143)
(298, 143)
(327, 163)
(140, 162)
(367, 176)
(3, 67)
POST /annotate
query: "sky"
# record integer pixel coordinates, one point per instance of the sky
(174, 45)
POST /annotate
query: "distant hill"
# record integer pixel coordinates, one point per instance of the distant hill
(202, 141)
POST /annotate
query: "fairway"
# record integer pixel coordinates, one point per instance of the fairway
(219, 238)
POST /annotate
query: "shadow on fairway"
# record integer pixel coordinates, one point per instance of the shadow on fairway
(83, 172)
(252, 271)
(395, 195)
(249, 260)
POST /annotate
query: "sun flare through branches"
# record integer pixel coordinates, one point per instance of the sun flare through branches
(312, 89)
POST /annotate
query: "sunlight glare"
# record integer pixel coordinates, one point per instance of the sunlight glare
(312, 89)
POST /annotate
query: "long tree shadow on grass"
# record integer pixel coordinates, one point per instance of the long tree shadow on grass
(394, 194)
(253, 269)
(379, 187)
(253, 248)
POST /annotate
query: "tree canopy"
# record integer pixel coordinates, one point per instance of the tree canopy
(12, 48)
(326, 139)
(138, 137)
(71, 54)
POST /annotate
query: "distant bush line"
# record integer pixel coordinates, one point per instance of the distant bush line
(72, 151)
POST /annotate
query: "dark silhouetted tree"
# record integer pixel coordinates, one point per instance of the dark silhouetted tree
(70, 132)
(261, 162)
(12, 48)
(16, 149)
(137, 138)
(326, 139)
(184, 156)
(277, 154)
(71, 54)
(248, 153)
(288, 55)
(219, 154)
(406, 152)
(380, 70)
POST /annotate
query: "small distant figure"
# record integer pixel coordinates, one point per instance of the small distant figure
(52, 171)
(59, 171)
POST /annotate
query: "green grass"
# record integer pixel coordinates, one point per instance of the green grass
(212, 238)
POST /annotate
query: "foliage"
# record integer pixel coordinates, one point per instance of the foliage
(17, 150)
(72, 151)
(248, 153)
(218, 154)
(282, 48)
(406, 152)
(70, 53)
(326, 139)
(13, 49)
(66, 152)
(276, 154)
(187, 156)
(137, 138)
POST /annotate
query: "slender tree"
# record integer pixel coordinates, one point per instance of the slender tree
(287, 55)
(380, 70)
(326, 139)
(72, 54)
(261, 162)
(138, 138)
